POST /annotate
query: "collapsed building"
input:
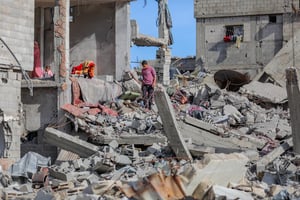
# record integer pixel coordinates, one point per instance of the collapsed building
(200, 142)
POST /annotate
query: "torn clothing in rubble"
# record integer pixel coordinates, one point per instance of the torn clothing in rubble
(87, 69)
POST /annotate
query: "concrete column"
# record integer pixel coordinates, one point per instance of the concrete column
(122, 40)
(163, 54)
(201, 51)
(42, 46)
(294, 105)
(61, 52)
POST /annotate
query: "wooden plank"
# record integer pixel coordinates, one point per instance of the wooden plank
(166, 112)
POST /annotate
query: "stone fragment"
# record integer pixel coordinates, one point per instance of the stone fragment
(114, 144)
(77, 164)
(122, 160)
(26, 188)
(218, 168)
(221, 192)
(232, 111)
(45, 194)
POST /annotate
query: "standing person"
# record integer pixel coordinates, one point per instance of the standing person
(148, 84)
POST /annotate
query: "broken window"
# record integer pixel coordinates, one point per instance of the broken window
(233, 32)
(272, 19)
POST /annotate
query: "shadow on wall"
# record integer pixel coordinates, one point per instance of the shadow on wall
(222, 48)
(265, 32)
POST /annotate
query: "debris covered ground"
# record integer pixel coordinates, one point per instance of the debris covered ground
(201, 143)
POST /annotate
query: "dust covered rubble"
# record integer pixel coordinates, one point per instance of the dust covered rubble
(252, 138)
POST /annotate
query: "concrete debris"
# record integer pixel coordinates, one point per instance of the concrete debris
(170, 125)
(221, 192)
(265, 92)
(199, 141)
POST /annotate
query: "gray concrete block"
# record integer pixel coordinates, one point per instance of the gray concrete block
(92, 178)
(77, 164)
(123, 160)
(45, 194)
(26, 188)
(114, 144)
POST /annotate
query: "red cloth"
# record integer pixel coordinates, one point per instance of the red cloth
(37, 70)
(86, 68)
(227, 38)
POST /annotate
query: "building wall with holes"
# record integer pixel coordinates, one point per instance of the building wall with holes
(261, 40)
(266, 27)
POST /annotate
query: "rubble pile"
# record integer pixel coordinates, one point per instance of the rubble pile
(239, 143)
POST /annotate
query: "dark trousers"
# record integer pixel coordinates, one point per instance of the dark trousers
(148, 92)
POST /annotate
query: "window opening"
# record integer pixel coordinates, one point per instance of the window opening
(234, 32)
(272, 19)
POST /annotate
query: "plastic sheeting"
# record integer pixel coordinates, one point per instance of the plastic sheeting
(28, 165)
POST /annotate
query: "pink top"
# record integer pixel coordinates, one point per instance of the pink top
(48, 74)
(148, 74)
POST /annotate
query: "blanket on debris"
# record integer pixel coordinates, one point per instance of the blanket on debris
(96, 90)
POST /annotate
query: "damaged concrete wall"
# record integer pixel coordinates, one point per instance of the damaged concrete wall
(262, 39)
(218, 8)
(40, 110)
(93, 39)
(17, 30)
(94, 36)
(10, 115)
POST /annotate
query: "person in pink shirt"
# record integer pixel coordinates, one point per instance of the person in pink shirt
(148, 84)
(48, 73)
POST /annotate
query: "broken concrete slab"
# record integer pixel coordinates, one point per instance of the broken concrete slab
(218, 168)
(203, 125)
(220, 192)
(170, 126)
(129, 139)
(69, 142)
(265, 160)
(207, 139)
(265, 92)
